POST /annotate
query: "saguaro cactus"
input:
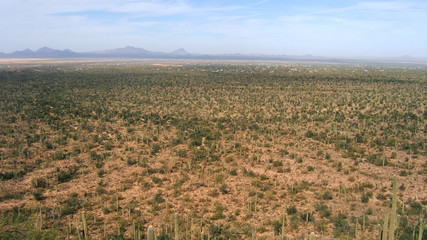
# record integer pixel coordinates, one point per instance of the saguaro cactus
(150, 233)
(39, 221)
(283, 225)
(393, 215)
(385, 226)
(85, 226)
(176, 227)
(391, 223)
(192, 229)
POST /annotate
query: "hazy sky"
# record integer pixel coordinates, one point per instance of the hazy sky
(342, 28)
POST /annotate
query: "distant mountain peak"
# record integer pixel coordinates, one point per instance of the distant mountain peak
(46, 50)
(128, 50)
(406, 57)
(27, 50)
(181, 52)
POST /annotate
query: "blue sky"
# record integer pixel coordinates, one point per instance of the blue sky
(345, 28)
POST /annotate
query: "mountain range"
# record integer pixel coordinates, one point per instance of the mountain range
(134, 52)
(127, 52)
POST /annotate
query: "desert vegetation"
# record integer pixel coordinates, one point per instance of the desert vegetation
(213, 151)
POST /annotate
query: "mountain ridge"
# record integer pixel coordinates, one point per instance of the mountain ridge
(181, 53)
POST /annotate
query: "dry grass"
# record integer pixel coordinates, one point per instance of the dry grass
(209, 142)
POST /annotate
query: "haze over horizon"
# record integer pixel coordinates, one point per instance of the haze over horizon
(329, 28)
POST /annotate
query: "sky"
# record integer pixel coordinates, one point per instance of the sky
(330, 28)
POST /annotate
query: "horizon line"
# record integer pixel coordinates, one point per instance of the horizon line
(230, 54)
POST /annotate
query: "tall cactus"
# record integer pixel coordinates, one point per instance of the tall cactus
(393, 216)
(77, 228)
(355, 230)
(39, 221)
(117, 202)
(379, 231)
(420, 232)
(85, 226)
(312, 236)
(176, 226)
(150, 233)
(283, 226)
(391, 223)
(385, 226)
(192, 229)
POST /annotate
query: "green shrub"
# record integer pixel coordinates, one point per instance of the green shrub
(341, 226)
(46, 234)
(100, 172)
(59, 155)
(38, 195)
(213, 193)
(415, 208)
(71, 205)
(182, 153)
(277, 163)
(307, 216)
(65, 176)
(219, 212)
(365, 198)
(323, 210)
(327, 195)
(155, 149)
(164, 236)
(6, 175)
(157, 181)
(131, 162)
(223, 189)
(291, 210)
(62, 177)
(277, 228)
(158, 197)
(38, 182)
